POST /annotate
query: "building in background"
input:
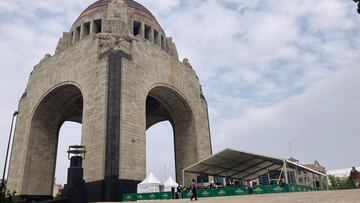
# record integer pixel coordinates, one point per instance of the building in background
(313, 180)
(296, 176)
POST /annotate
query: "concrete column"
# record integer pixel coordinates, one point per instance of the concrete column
(151, 35)
(142, 30)
(81, 31)
(162, 42)
(157, 39)
(91, 27)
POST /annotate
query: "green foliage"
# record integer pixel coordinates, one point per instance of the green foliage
(340, 183)
(324, 184)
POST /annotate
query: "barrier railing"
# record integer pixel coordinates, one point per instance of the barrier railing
(217, 192)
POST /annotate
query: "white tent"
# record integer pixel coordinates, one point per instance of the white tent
(169, 183)
(150, 184)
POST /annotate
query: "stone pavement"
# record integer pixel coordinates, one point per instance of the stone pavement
(343, 196)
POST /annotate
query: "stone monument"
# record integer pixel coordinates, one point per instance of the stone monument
(117, 73)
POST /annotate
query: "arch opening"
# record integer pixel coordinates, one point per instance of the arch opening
(64, 103)
(69, 134)
(160, 151)
(166, 104)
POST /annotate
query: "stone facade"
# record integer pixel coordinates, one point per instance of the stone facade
(310, 179)
(118, 74)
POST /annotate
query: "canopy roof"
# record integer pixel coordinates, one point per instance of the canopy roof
(170, 182)
(241, 165)
(151, 179)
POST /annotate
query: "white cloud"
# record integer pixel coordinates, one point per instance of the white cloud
(160, 7)
(322, 124)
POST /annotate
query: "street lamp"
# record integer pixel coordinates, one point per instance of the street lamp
(3, 185)
(358, 3)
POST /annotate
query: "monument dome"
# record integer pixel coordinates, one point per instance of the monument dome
(133, 7)
(117, 17)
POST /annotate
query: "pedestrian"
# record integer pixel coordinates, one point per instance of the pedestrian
(355, 177)
(179, 192)
(249, 187)
(193, 190)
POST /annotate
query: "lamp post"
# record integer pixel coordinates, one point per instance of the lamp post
(3, 185)
(358, 3)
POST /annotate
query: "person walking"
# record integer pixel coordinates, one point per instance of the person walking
(355, 177)
(249, 187)
(179, 192)
(193, 190)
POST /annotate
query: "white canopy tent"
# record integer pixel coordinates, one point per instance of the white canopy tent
(231, 163)
(169, 183)
(150, 184)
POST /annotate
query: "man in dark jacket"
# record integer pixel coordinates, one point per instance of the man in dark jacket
(193, 190)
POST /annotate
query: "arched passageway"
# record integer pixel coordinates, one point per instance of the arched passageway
(69, 134)
(164, 103)
(160, 156)
(64, 103)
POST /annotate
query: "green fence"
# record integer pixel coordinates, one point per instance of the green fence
(217, 192)
(147, 196)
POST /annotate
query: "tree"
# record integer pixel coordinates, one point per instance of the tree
(337, 183)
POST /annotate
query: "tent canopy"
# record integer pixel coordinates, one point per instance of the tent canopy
(151, 179)
(169, 183)
(241, 165)
(150, 184)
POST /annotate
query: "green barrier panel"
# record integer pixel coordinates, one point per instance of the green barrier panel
(206, 192)
(276, 189)
(165, 195)
(260, 189)
(149, 196)
(130, 197)
(186, 194)
(141, 196)
(216, 192)
(224, 192)
(241, 191)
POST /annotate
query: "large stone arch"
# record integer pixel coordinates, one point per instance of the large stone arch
(165, 103)
(119, 55)
(63, 103)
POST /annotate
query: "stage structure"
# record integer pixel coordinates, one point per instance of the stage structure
(117, 73)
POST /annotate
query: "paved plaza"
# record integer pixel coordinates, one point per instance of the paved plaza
(308, 197)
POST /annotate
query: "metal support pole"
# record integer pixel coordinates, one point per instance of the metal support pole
(327, 183)
(278, 181)
(3, 185)
(183, 178)
(314, 181)
(296, 175)
(286, 173)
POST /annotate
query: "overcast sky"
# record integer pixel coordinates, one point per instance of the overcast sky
(274, 72)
